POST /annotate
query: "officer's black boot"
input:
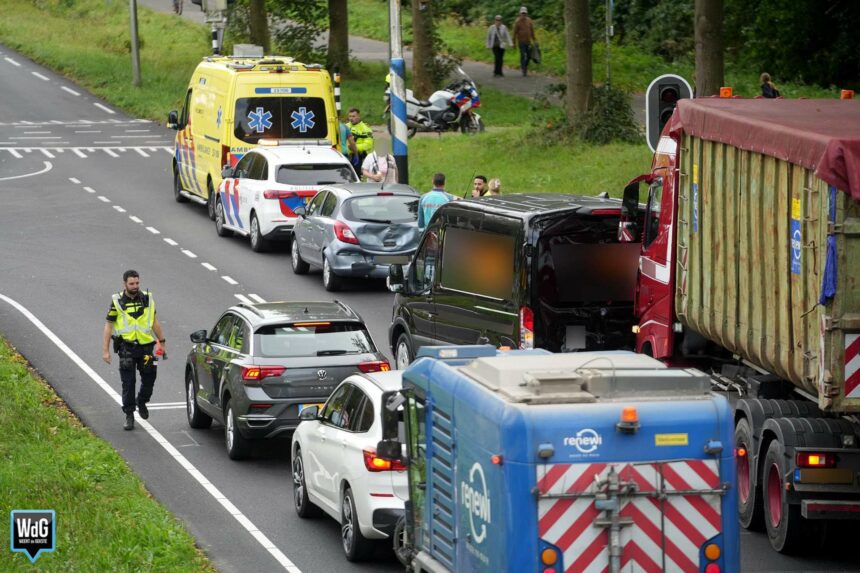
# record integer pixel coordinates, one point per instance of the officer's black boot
(129, 421)
(142, 410)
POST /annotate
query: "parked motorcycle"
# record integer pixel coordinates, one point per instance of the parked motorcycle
(448, 109)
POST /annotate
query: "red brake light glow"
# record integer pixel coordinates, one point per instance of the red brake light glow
(815, 460)
(384, 193)
(376, 366)
(344, 234)
(375, 464)
(255, 373)
(527, 328)
(606, 212)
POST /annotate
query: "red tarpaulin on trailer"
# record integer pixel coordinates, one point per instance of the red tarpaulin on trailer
(822, 135)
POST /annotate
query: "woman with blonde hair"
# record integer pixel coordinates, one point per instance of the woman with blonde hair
(494, 187)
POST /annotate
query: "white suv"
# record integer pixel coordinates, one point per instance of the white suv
(258, 197)
(335, 467)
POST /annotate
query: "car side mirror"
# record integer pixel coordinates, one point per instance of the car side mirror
(226, 172)
(395, 281)
(300, 211)
(391, 450)
(173, 120)
(198, 336)
(310, 413)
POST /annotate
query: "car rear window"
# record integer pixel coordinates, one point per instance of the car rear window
(581, 261)
(315, 174)
(382, 208)
(313, 339)
(280, 117)
(493, 276)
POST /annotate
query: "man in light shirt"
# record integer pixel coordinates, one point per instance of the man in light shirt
(379, 168)
(432, 200)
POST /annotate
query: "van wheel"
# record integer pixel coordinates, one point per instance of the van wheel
(258, 243)
(210, 201)
(219, 219)
(403, 354)
(300, 267)
(177, 186)
(331, 281)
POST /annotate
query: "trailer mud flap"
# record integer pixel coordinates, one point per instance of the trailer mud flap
(649, 516)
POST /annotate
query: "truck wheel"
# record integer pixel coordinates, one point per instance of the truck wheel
(785, 526)
(750, 507)
(355, 545)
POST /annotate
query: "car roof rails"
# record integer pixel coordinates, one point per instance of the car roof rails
(251, 308)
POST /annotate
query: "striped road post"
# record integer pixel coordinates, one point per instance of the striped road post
(398, 95)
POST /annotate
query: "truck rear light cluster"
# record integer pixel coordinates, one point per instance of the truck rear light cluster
(527, 328)
(375, 366)
(344, 234)
(256, 373)
(815, 460)
(376, 464)
(712, 553)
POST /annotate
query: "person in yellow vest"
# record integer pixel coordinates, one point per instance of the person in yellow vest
(363, 136)
(136, 332)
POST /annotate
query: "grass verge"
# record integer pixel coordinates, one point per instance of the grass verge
(106, 520)
(632, 69)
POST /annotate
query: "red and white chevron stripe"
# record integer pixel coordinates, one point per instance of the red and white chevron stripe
(852, 365)
(681, 523)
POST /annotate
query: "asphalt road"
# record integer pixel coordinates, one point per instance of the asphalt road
(85, 194)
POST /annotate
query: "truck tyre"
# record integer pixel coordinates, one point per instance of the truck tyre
(304, 507)
(355, 545)
(237, 445)
(785, 525)
(750, 508)
(177, 186)
(197, 418)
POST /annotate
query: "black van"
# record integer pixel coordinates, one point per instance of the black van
(523, 271)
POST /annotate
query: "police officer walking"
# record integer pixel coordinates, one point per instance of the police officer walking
(132, 324)
(363, 136)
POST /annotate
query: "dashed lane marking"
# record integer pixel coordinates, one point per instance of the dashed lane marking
(41, 77)
(183, 462)
(75, 181)
(47, 153)
(15, 154)
(243, 298)
(209, 266)
(104, 107)
(104, 199)
(80, 153)
(109, 152)
(13, 62)
(170, 242)
(256, 297)
(135, 219)
(119, 209)
(141, 152)
(89, 190)
(69, 90)
(153, 230)
(145, 151)
(229, 280)
(189, 254)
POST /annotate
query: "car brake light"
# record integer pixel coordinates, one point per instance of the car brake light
(275, 194)
(384, 194)
(527, 327)
(815, 460)
(375, 464)
(376, 366)
(254, 373)
(344, 234)
(606, 212)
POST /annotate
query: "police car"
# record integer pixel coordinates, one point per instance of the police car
(258, 197)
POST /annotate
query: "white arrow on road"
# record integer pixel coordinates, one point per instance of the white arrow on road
(47, 168)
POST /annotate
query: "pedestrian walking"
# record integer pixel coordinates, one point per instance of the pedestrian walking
(768, 89)
(379, 168)
(494, 187)
(363, 136)
(524, 37)
(498, 39)
(432, 200)
(136, 332)
(479, 186)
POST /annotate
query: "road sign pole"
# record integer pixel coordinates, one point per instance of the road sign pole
(398, 95)
(135, 44)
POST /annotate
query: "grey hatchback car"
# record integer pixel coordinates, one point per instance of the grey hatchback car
(262, 364)
(356, 230)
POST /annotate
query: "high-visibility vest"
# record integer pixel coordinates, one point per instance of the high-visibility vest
(363, 136)
(135, 329)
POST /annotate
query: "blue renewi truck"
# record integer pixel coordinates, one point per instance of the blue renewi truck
(527, 461)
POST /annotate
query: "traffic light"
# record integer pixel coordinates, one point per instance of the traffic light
(660, 101)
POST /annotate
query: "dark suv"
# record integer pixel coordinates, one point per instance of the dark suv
(537, 270)
(262, 364)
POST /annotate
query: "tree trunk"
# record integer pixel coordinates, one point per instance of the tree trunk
(258, 23)
(423, 52)
(577, 34)
(709, 47)
(338, 35)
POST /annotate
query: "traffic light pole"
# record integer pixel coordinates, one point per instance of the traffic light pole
(397, 91)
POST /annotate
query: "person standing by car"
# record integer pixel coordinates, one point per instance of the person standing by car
(498, 39)
(524, 37)
(135, 329)
(363, 136)
(347, 141)
(379, 168)
(479, 186)
(494, 187)
(432, 200)
(768, 88)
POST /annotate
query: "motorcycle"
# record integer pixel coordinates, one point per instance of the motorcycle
(448, 109)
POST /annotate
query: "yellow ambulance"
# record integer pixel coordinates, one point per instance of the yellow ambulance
(233, 103)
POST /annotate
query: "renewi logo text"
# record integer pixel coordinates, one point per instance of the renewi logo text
(586, 441)
(475, 497)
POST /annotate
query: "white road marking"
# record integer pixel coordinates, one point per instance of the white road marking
(141, 152)
(244, 298)
(135, 219)
(109, 152)
(89, 190)
(88, 131)
(37, 136)
(103, 107)
(41, 77)
(130, 136)
(13, 62)
(119, 209)
(161, 404)
(171, 407)
(47, 168)
(75, 181)
(69, 90)
(137, 131)
(15, 154)
(153, 230)
(257, 297)
(189, 254)
(79, 153)
(121, 149)
(34, 133)
(47, 153)
(240, 517)
(229, 280)
(170, 242)
(104, 199)
(209, 266)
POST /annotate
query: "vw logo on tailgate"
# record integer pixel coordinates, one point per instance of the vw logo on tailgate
(321, 374)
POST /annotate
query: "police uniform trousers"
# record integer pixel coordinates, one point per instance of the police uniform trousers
(136, 357)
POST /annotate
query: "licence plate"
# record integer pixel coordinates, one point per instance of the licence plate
(303, 406)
